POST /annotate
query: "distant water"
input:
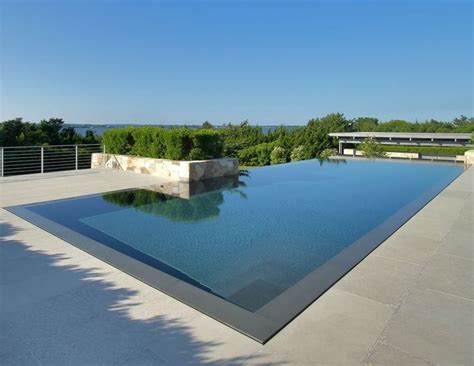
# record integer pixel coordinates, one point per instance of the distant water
(99, 130)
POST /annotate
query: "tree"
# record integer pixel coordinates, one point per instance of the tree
(462, 121)
(365, 124)
(15, 132)
(299, 153)
(278, 155)
(50, 130)
(90, 138)
(207, 125)
(327, 153)
(239, 137)
(315, 136)
(396, 126)
(371, 148)
(10, 131)
(68, 136)
(463, 124)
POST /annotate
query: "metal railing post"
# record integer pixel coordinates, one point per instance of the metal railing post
(42, 159)
(2, 161)
(77, 164)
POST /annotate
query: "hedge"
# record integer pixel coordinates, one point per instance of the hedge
(256, 155)
(165, 143)
(426, 149)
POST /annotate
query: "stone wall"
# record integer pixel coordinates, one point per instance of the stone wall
(190, 188)
(170, 169)
(469, 157)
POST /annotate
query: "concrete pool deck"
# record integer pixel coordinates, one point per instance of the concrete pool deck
(409, 302)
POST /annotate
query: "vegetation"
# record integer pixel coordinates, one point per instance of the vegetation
(327, 153)
(256, 155)
(371, 148)
(429, 150)
(299, 153)
(167, 143)
(249, 143)
(460, 124)
(15, 132)
(278, 155)
(200, 207)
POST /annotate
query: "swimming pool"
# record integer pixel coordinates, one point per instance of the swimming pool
(251, 251)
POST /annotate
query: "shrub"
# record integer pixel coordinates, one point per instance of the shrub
(278, 155)
(196, 154)
(327, 153)
(256, 155)
(209, 143)
(178, 143)
(299, 153)
(371, 148)
(435, 150)
(119, 140)
(158, 142)
(148, 141)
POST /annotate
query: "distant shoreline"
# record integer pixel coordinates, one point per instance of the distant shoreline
(82, 128)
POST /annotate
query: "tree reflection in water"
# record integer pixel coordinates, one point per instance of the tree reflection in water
(205, 198)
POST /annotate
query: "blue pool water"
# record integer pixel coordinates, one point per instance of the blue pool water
(250, 238)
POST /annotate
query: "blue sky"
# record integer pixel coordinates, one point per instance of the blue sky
(271, 62)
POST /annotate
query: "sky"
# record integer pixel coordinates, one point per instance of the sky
(269, 62)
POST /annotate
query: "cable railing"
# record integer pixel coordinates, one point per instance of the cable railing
(18, 160)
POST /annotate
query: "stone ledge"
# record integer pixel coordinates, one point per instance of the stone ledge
(170, 169)
(469, 157)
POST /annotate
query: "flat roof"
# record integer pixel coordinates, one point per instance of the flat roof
(406, 135)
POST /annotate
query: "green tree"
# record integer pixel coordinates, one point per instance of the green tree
(50, 131)
(299, 153)
(278, 155)
(315, 136)
(239, 137)
(10, 131)
(463, 124)
(396, 126)
(371, 148)
(90, 138)
(207, 125)
(257, 155)
(69, 136)
(327, 153)
(365, 124)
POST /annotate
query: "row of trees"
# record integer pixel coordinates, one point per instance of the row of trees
(15, 132)
(459, 124)
(248, 143)
(253, 147)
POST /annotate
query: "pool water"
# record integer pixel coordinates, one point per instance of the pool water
(250, 238)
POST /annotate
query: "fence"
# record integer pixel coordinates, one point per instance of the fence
(17, 160)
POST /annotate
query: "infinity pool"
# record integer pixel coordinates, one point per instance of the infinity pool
(255, 250)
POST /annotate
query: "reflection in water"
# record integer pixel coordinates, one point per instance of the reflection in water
(181, 201)
(335, 161)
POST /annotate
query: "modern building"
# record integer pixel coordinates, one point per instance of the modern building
(403, 138)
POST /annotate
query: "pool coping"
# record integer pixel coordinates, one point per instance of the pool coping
(263, 324)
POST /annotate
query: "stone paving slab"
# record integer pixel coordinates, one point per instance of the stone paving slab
(409, 302)
(434, 326)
